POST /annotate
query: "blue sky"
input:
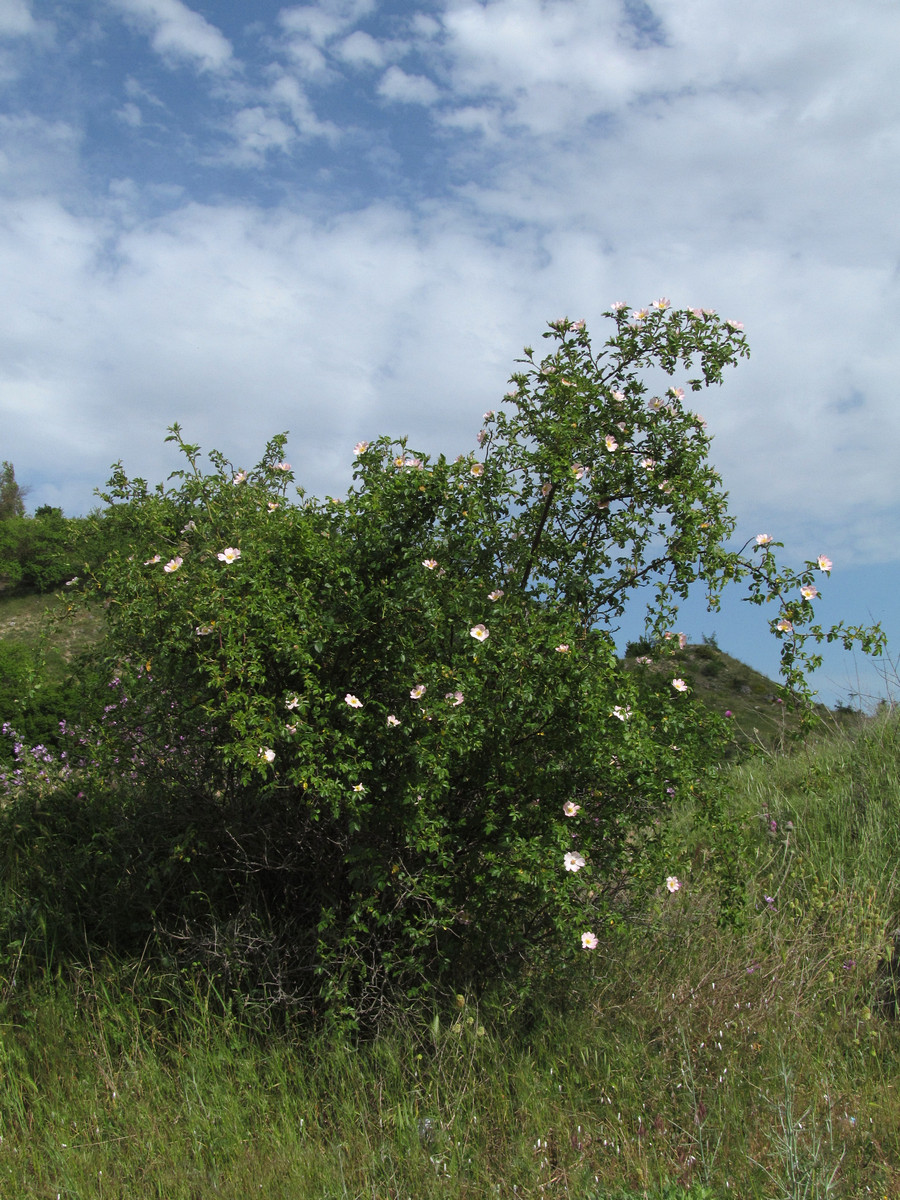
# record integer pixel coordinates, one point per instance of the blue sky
(346, 218)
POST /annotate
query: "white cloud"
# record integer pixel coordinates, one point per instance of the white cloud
(750, 166)
(286, 93)
(256, 132)
(361, 50)
(311, 29)
(550, 66)
(38, 156)
(485, 120)
(130, 114)
(16, 19)
(323, 21)
(240, 323)
(16, 25)
(179, 33)
(307, 58)
(424, 26)
(553, 66)
(396, 85)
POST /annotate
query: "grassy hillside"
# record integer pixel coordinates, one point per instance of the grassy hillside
(727, 685)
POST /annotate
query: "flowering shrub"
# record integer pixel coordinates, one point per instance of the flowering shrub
(415, 729)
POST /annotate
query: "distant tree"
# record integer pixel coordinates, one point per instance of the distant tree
(48, 550)
(40, 552)
(12, 497)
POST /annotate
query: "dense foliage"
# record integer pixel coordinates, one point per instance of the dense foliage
(378, 741)
(41, 552)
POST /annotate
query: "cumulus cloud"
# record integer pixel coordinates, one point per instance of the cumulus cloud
(240, 323)
(216, 315)
(401, 88)
(361, 50)
(179, 34)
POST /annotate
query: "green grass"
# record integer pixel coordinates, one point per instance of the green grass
(681, 1060)
(26, 619)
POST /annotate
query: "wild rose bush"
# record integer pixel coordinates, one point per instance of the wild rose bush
(423, 756)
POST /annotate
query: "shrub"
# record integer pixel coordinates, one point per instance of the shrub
(639, 648)
(404, 741)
